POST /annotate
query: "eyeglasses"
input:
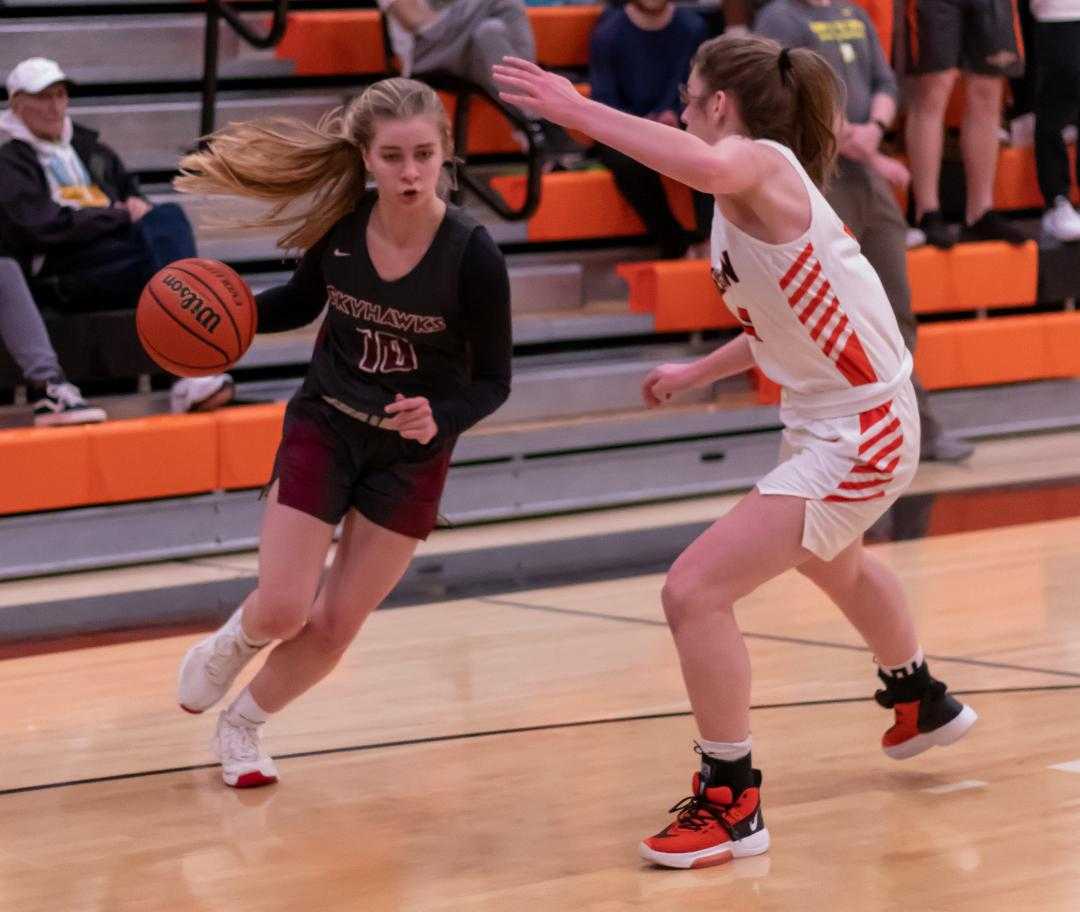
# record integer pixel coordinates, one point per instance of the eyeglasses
(685, 97)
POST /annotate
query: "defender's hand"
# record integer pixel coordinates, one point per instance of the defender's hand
(543, 94)
(663, 382)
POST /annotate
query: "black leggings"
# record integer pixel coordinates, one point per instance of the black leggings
(1057, 103)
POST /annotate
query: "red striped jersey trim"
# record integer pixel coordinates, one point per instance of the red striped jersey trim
(882, 435)
(829, 326)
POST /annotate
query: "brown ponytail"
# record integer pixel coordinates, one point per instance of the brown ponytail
(790, 95)
(281, 160)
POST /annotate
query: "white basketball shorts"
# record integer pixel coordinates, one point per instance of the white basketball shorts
(850, 470)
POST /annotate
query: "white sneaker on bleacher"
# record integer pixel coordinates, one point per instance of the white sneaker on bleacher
(1061, 221)
(62, 403)
(243, 762)
(210, 666)
(201, 394)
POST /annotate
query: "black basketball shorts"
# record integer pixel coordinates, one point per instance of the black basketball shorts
(328, 462)
(977, 36)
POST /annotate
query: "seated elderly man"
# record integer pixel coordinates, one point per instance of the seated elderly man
(74, 218)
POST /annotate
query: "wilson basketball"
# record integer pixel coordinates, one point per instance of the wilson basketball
(196, 317)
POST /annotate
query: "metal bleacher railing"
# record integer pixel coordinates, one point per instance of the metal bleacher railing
(216, 10)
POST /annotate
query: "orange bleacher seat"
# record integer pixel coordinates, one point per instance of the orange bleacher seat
(144, 458)
(44, 469)
(985, 275)
(680, 293)
(881, 14)
(338, 42)
(1016, 184)
(562, 33)
(1000, 350)
(138, 459)
(332, 42)
(586, 204)
(247, 441)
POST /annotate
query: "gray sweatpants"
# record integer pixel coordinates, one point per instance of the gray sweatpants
(471, 37)
(866, 204)
(22, 330)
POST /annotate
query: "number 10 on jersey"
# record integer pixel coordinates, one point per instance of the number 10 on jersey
(386, 354)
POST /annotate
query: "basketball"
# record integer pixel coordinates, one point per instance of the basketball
(196, 317)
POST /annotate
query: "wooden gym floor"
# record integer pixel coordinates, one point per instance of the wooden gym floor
(508, 753)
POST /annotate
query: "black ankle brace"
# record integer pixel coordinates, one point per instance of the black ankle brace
(736, 774)
(905, 687)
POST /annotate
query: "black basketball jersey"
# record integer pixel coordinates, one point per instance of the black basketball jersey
(441, 331)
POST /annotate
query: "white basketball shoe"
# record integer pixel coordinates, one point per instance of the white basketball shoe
(243, 762)
(210, 666)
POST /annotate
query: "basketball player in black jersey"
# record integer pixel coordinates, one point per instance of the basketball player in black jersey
(414, 349)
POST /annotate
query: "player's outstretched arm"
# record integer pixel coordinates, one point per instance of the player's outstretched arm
(733, 165)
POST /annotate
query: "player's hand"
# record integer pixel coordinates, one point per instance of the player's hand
(543, 94)
(411, 418)
(663, 382)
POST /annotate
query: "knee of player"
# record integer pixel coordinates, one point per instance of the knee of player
(333, 630)
(685, 596)
(279, 616)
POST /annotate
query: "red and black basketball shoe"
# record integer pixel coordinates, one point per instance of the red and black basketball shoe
(713, 826)
(927, 715)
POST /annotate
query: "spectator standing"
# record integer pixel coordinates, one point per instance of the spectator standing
(466, 38)
(638, 57)
(53, 399)
(75, 219)
(981, 38)
(844, 35)
(1057, 105)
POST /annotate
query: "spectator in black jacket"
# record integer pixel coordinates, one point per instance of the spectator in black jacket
(74, 218)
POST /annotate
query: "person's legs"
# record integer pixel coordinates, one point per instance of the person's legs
(760, 538)
(168, 234)
(643, 189)
(925, 137)
(368, 564)
(871, 598)
(1057, 103)
(22, 329)
(979, 141)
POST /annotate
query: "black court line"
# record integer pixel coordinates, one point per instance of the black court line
(521, 730)
(780, 638)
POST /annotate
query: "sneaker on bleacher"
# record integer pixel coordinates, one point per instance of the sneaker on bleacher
(201, 394)
(62, 403)
(1062, 221)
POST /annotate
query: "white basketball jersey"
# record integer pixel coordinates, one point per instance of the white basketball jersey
(815, 311)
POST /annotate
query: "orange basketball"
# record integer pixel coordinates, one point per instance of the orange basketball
(196, 317)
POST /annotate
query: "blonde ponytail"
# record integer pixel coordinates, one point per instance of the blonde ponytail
(281, 160)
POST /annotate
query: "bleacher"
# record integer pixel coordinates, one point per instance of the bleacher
(592, 311)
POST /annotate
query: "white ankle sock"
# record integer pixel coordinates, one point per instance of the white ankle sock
(905, 668)
(724, 750)
(246, 711)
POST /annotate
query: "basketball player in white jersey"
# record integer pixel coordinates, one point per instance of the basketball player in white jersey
(760, 137)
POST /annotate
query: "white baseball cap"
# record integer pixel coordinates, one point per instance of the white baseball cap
(34, 75)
